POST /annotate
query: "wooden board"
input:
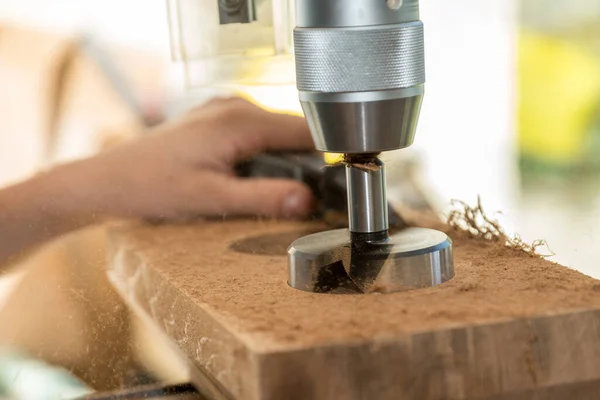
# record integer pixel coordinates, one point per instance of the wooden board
(507, 325)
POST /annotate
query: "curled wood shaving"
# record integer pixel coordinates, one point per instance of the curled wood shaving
(363, 163)
(370, 166)
(475, 221)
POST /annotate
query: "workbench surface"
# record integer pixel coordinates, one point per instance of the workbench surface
(507, 324)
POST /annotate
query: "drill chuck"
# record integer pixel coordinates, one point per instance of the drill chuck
(364, 59)
(360, 70)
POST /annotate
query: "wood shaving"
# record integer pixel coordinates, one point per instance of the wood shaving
(474, 220)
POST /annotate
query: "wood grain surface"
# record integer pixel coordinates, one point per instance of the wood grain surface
(507, 326)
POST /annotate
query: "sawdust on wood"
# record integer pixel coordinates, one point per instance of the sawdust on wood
(250, 295)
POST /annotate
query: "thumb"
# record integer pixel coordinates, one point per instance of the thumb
(268, 197)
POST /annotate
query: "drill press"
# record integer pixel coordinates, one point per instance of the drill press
(360, 73)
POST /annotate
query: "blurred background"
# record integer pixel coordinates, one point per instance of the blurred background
(511, 114)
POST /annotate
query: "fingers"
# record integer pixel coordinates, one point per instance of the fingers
(281, 132)
(252, 130)
(270, 197)
(282, 198)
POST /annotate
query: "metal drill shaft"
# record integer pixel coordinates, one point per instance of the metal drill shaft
(367, 200)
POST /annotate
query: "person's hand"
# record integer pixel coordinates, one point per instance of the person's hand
(185, 169)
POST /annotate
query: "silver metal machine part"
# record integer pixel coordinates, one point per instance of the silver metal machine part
(344, 13)
(361, 59)
(367, 201)
(236, 11)
(360, 68)
(413, 258)
(350, 127)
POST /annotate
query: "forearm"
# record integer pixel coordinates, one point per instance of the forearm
(182, 170)
(38, 210)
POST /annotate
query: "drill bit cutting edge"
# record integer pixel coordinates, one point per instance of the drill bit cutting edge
(360, 69)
